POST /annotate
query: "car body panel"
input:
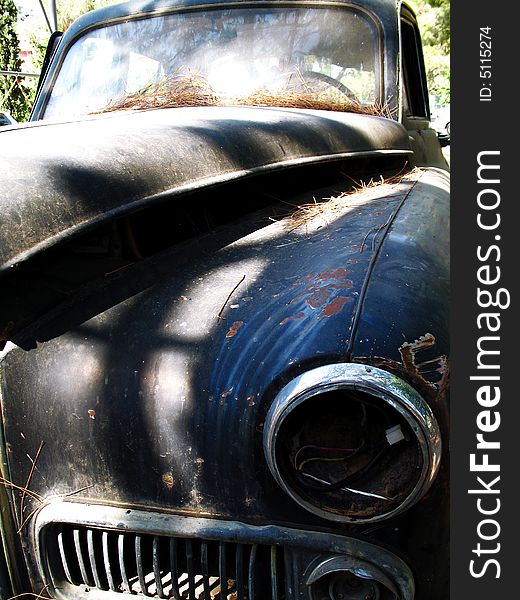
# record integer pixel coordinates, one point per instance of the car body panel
(177, 423)
(107, 166)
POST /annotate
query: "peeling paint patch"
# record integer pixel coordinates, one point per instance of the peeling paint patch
(251, 400)
(333, 274)
(335, 306)
(433, 372)
(234, 328)
(168, 481)
(319, 297)
(321, 286)
(226, 393)
(91, 413)
(288, 319)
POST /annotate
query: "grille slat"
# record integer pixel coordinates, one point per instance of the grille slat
(93, 560)
(107, 563)
(222, 572)
(139, 563)
(191, 572)
(173, 569)
(205, 569)
(239, 562)
(81, 559)
(251, 571)
(122, 563)
(274, 572)
(162, 567)
(65, 556)
(157, 567)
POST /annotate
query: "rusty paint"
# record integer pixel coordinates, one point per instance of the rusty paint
(249, 502)
(433, 372)
(319, 297)
(288, 319)
(339, 273)
(320, 287)
(335, 306)
(91, 413)
(168, 481)
(251, 400)
(226, 393)
(234, 328)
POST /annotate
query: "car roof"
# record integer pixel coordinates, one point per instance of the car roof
(384, 9)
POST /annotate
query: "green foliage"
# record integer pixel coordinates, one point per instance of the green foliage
(12, 93)
(434, 22)
(70, 10)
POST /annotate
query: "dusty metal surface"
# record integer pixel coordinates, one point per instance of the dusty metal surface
(179, 377)
(172, 378)
(107, 166)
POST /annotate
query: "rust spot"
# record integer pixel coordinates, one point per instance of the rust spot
(432, 372)
(296, 316)
(333, 274)
(199, 462)
(335, 306)
(211, 398)
(226, 393)
(249, 501)
(251, 400)
(234, 328)
(321, 286)
(352, 261)
(168, 480)
(319, 297)
(91, 413)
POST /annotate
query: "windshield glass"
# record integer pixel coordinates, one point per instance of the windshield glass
(231, 53)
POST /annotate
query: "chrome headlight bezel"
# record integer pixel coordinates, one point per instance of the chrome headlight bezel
(379, 384)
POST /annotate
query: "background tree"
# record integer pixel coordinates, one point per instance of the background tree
(434, 21)
(70, 10)
(12, 94)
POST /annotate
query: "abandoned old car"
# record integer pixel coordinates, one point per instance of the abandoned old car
(224, 309)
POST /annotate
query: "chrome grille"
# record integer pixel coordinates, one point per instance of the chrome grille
(160, 566)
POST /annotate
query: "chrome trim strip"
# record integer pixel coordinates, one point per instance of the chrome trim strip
(372, 380)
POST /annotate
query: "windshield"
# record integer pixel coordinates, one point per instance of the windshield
(236, 53)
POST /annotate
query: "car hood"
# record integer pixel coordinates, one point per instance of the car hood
(60, 178)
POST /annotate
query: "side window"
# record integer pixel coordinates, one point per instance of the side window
(415, 91)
